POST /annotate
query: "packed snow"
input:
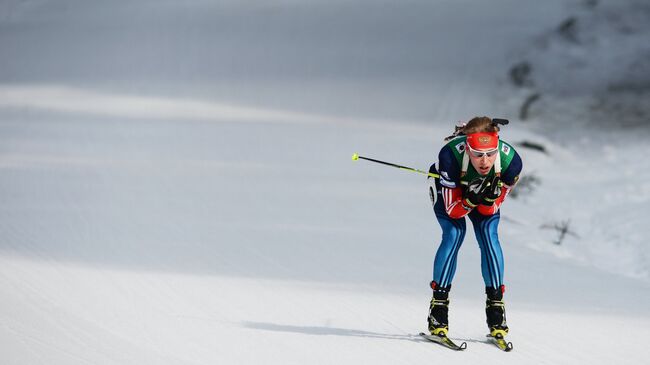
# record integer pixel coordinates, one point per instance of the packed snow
(177, 188)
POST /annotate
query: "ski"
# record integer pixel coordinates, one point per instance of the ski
(445, 341)
(500, 342)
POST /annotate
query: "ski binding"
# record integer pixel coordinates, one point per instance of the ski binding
(444, 341)
(500, 342)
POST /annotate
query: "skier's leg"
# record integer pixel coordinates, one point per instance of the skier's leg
(485, 228)
(444, 268)
(444, 265)
(453, 234)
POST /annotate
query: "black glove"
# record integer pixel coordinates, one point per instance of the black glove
(475, 191)
(492, 192)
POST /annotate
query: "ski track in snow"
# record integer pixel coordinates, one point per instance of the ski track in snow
(129, 317)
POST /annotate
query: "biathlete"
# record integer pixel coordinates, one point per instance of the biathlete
(477, 171)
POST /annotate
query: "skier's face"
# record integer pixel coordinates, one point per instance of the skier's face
(482, 160)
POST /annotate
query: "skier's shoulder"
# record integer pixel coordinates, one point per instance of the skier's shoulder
(455, 146)
(507, 150)
(449, 162)
(512, 162)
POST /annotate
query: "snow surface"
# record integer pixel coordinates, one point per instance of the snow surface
(176, 182)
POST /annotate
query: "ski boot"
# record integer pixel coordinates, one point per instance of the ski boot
(495, 312)
(438, 310)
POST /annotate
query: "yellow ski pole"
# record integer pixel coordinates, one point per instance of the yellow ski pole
(356, 157)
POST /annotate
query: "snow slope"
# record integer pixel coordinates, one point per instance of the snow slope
(176, 188)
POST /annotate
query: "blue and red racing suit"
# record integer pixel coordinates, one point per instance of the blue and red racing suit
(450, 211)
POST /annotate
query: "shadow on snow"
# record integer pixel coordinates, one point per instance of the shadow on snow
(328, 331)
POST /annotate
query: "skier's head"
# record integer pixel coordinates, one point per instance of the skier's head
(482, 143)
(478, 125)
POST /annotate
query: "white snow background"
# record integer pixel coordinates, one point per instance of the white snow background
(176, 184)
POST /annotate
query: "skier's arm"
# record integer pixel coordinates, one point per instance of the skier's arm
(492, 209)
(452, 193)
(455, 205)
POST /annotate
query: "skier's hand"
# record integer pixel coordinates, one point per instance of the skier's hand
(492, 192)
(475, 191)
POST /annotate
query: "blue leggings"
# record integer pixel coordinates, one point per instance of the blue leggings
(453, 234)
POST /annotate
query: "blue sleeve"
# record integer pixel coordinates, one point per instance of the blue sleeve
(448, 168)
(511, 174)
